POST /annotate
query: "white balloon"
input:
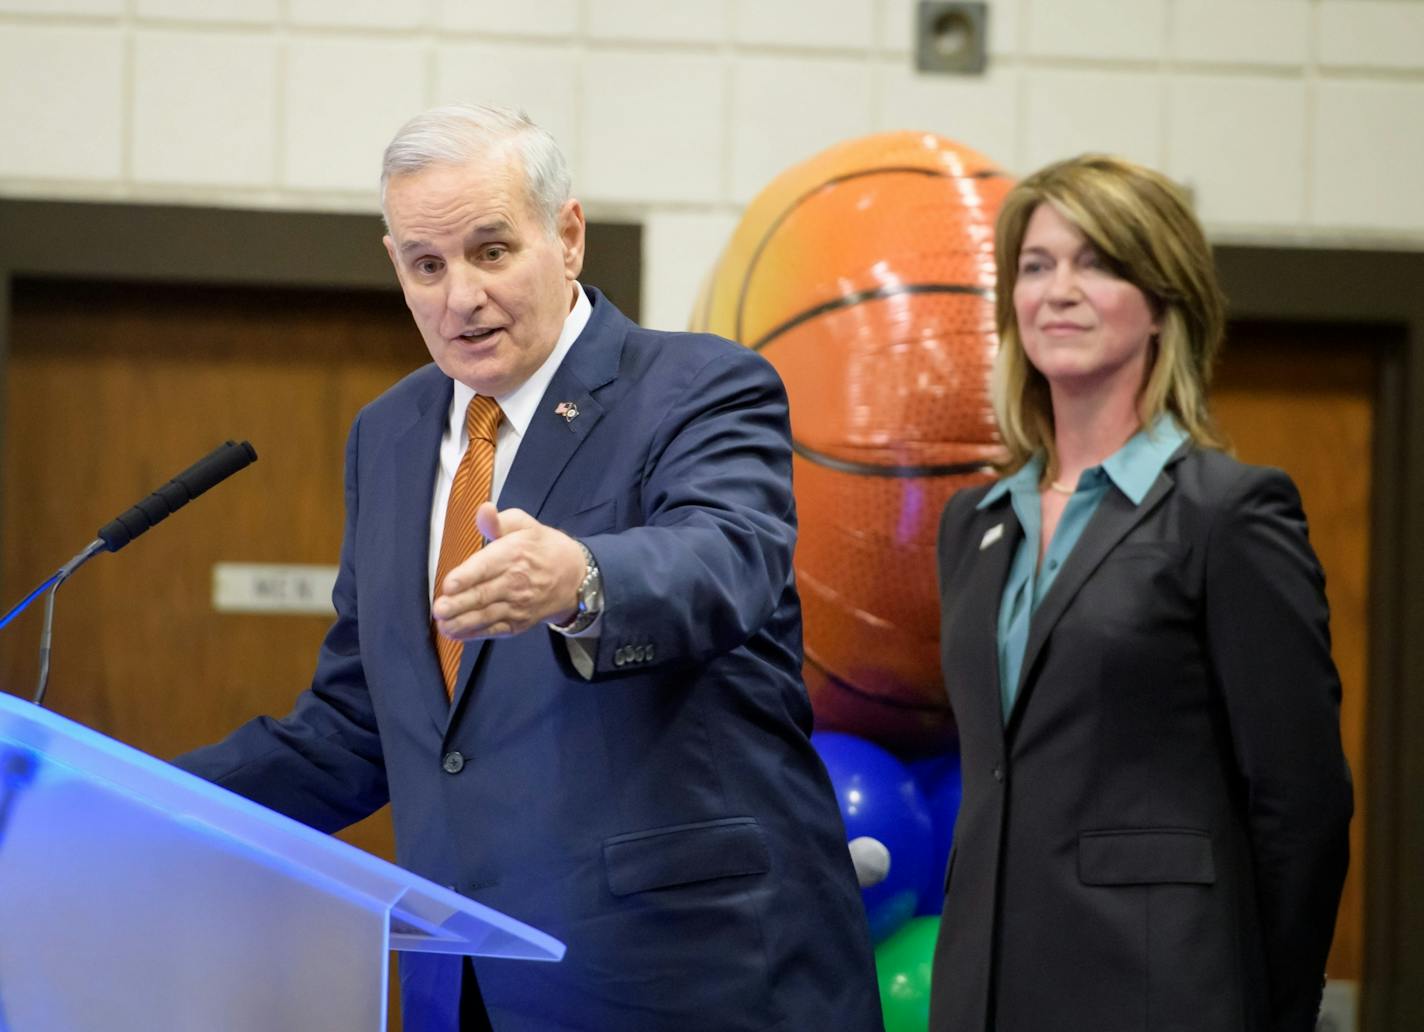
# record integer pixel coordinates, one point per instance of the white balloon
(871, 860)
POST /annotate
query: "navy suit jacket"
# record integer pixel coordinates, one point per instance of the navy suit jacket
(1157, 837)
(667, 819)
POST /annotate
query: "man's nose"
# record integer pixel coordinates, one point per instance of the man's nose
(467, 289)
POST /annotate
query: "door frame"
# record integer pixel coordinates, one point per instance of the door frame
(211, 246)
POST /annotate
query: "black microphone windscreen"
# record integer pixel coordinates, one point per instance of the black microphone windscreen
(207, 472)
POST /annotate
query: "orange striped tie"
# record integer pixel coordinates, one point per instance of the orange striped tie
(461, 537)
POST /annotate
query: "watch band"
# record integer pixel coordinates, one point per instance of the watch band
(590, 597)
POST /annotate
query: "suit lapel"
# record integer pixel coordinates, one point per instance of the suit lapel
(551, 438)
(415, 453)
(986, 581)
(1114, 518)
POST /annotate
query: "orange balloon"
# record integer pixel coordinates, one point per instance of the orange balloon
(865, 275)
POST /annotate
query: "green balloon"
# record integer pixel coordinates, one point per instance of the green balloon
(902, 966)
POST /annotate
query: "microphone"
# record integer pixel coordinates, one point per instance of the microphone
(209, 471)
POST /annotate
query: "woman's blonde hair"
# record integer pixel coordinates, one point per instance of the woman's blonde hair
(1140, 224)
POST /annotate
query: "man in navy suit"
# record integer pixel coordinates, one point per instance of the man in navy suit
(623, 759)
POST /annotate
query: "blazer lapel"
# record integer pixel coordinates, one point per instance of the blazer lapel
(991, 571)
(552, 437)
(415, 453)
(1115, 516)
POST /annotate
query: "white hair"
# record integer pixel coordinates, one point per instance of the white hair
(460, 133)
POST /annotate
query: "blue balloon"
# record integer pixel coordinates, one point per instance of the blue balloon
(940, 781)
(879, 798)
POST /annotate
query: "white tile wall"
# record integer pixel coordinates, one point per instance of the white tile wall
(785, 110)
(1368, 157)
(1239, 143)
(654, 127)
(978, 111)
(898, 22)
(703, 21)
(842, 24)
(543, 80)
(90, 7)
(343, 102)
(1070, 112)
(377, 14)
(1372, 34)
(686, 246)
(1096, 29)
(516, 17)
(204, 108)
(1297, 117)
(254, 12)
(61, 103)
(1266, 32)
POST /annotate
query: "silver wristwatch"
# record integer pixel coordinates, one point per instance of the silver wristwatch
(590, 597)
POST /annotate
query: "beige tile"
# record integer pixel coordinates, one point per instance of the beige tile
(978, 111)
(1372, 34)
(503, 17)
(1070, 112)
(679, 251)
(842, 24)
(1239, 143)
(1367, 156)
(204, 108)
(1106, 29)
(705, 21)
(343, 102)
(61, 95)
(1265, 32)
(785, 110)
(653, 127)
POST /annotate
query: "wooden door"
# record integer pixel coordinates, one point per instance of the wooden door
(110, 390)
(1302, 398)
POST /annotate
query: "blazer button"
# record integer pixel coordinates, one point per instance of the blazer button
(453, 762)
(998, 773)
(620, 656)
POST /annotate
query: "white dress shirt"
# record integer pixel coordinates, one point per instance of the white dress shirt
(519, 407)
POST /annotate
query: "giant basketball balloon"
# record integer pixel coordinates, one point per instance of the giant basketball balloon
(866, 276)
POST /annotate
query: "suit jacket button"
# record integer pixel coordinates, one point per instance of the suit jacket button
(453, 762)
(648, 654)
(998, 773)
(620, 656)
(640, 653)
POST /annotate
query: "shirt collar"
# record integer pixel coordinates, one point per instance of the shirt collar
(1135, 466)
(1025, 478)
(520, 404)
(1132, 468)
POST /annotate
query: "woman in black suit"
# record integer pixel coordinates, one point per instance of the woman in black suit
(1135, 642)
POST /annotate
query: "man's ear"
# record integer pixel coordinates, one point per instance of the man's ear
(570, 226)
(391, 252)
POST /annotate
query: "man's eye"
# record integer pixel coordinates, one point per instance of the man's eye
(494, 254)
(427, 266)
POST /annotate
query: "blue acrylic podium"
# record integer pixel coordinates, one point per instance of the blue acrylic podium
(135, 897)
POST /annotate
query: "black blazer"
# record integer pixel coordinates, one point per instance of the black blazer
(1157, 838)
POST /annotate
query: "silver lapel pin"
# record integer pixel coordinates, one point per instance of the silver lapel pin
(991, 535)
